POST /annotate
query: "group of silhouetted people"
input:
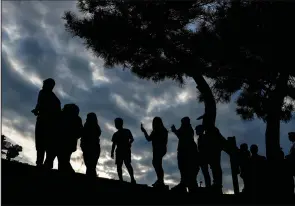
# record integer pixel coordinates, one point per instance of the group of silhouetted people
(255, 170)
(58, 131)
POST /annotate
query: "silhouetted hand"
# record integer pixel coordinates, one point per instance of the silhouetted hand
(200, 117)
(142, 128)
(112, 155)
(173, 129)
(34, 111)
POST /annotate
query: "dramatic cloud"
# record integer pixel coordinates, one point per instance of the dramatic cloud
(36, 46)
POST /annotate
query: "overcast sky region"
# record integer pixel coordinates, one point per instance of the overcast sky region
(35, 46)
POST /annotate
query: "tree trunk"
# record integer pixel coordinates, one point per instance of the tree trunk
(272, 134)
(209, 101)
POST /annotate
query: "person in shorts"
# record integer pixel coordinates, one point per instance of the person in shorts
(122, 141)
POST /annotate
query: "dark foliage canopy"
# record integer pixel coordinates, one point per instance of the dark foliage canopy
(253, 43)
(152, 38)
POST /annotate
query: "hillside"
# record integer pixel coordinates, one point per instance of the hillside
(26, 184)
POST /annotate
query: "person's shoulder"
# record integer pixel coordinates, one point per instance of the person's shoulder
(41, 92)
(126, 130)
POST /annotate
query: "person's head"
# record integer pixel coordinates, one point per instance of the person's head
(119, 123)
(91, 118)
(48, 84)
(254, 149)
(244, 147)
(291, 136)
(71, 109)
(185, 121)
(158, 123)
(199, 129)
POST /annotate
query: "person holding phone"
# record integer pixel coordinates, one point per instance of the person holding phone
(159, 139)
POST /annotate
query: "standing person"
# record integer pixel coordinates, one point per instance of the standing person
(203, 147)
(244, 162)
(47, 110)
(187, 155)
(290, 162)
(258, 171)
(90, 144)
(159, 138)
(217, 142)
(70, 130)
(122, 141)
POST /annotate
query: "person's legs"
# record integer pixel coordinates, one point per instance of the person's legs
(68, 161)
(182, 170)
(157, 163)
(127, 161)
(40, 142)
(216, 170)
(206, 174)
(87, 162)
(130, 171)
(40, 157)
(50, 156)
(192, 169)
(119, 163)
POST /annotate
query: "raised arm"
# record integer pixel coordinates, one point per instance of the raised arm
(175, 131)
(148, 137)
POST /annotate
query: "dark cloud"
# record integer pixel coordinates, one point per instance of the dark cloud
(36, 46)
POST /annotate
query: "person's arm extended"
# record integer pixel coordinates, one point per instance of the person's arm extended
(175, 131)
(148, 137)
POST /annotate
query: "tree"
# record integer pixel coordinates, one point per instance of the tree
(12, 150)
(252, 40)
(151, 38)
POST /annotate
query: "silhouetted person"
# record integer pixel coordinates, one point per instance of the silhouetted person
(217, 143)
(90, 144)
(290, 161)
(244, 162)
(187, 155)
(258, 171)
(47, 111)
(122, 141)
(204, 153)
(70, 131)
(159, 138)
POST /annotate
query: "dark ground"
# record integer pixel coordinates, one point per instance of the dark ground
(26, 184)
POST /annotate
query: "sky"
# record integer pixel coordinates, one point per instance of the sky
(35, 46)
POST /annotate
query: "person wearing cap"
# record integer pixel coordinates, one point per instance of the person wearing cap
(47, 110)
